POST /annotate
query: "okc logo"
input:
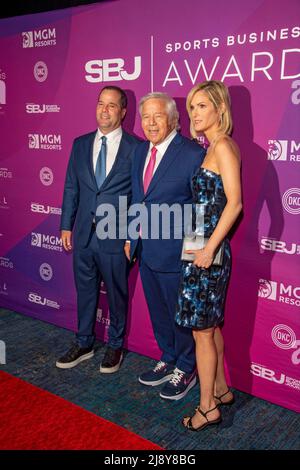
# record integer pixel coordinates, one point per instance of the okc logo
(267, 289)
(46, 272)
(40, 71)
(46, 176)
(27, 39)
(277, 150)
(291, 201)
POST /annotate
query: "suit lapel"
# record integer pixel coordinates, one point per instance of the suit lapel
(90, 159)
(168, 158)
(123, 151)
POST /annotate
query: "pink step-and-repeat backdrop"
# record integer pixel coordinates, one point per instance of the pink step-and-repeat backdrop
(52, 66)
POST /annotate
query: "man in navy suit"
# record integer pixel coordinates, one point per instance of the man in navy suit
(162, 171)
(99, 171)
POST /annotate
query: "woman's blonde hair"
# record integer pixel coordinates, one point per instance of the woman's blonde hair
(218, 94)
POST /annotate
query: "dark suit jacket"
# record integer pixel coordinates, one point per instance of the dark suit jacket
(171, 184)
(82, 196)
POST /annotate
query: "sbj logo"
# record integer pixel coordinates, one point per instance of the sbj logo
(277, 291)
(265, 373)
(44, 141)
(39, 38)
(37, 299)
(42, 209)
(109, 70)
(46, 176)
(270, 244)
(291, 201)
(32, 108)
(40, 71)
(267, 289)
(284, 150)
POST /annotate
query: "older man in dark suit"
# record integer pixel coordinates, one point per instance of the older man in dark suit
(161, 175)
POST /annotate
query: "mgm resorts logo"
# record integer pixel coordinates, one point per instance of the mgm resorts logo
(278, 292)
(283, 150)
(48, 242)
(44, 141)
(39, 38)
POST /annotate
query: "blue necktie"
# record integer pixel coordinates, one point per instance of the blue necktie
(100, 171)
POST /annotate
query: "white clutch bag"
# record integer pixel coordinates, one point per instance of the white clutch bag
(198, 242)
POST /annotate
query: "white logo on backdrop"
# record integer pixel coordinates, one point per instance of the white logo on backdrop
(277, 149)
(38, 299)
(33, 141)
(267, 289)
(109, 70)
(283, 336)
(42, 209)
(44, 141)
(40, 71)
(33, 108)
(291, 201)
(49, 242)
(278, 291)
(39, 38)
(46, 176)
(279, 246)
(27, 39)
(265, 373)
(46, 272)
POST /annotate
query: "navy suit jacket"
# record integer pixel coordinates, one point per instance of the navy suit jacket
(171, 184)
(82, 196)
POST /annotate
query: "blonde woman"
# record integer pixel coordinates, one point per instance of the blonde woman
(217, 192)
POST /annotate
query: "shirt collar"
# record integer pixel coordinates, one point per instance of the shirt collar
(162, 147)
(111, 136)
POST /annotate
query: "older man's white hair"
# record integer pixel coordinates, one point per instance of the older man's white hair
(171, 107)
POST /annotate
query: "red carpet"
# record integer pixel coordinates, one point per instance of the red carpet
(31, 418)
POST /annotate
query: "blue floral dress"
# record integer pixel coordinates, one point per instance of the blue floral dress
(202, 291)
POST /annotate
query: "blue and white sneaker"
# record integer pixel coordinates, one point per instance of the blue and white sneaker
(179, 385)
(161, 373)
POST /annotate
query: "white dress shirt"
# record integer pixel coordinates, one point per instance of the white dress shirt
(112, 145)
(161, 150)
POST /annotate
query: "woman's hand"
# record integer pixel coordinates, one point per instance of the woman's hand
(203, 257)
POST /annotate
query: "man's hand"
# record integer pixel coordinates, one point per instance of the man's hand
(127, 250)
(66, 236)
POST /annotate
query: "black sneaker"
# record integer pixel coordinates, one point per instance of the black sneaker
(111, 361)
(161, 373)
(179, 385)
(74, 356)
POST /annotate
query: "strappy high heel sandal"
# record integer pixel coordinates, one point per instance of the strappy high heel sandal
(225, 403)
(190, 426)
